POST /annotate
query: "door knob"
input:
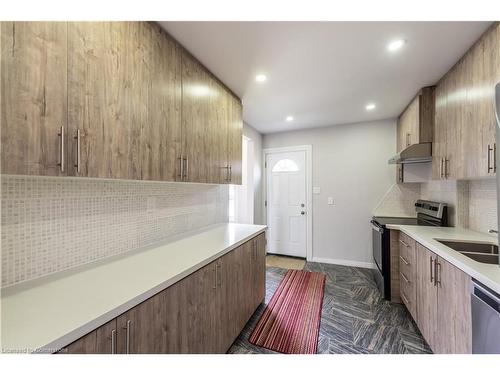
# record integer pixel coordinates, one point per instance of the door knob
(302, 212)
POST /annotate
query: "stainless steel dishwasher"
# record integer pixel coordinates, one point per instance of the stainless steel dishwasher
(485, 320)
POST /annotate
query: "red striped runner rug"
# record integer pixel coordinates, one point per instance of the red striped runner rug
(290, 323)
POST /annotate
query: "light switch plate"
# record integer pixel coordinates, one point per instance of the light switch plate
(316, 190)
(330, 200)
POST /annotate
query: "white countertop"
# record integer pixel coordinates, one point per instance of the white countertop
(51, 312)
(488, 274)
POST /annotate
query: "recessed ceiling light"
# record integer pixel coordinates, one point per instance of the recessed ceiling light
(396, 44)
(370, 107)
(261, 78)
(289, 118)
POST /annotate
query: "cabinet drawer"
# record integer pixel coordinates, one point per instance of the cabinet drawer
(408, 293)
(407, 255)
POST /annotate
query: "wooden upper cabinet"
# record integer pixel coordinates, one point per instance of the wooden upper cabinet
(216, 138)
(235, 141)
(108, 89)
(440, 137)
(161, 135)
(416, 123)
(113, 100)
(33, 92)
(464, 139)
(196, 116)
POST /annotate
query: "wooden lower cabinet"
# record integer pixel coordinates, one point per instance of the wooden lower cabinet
(202, 313)
(407, 273)
(259, 270)
(102, 340)
(443, 304)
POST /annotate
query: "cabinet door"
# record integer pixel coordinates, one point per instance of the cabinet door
(426, 294)
(413, 128)
(492, 77)
(399, 135)
(452, 164)
(233, 294)
(259, 271)
(161, 135)
(445, 329)
(33, 92)
(195, 120)
(197, 314)
(220, 105)
(453, 331)
(100, 341)
(235, 141)
(142, 329)
(476, 105)
(108, 86)
(440, 139)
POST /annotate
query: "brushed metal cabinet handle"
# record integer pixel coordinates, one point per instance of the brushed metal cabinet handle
(404, 260)
(127, 339)
(405, 278)
(185, 168)
(441, 168)
(219, 274)
(431, 269)
(181, 165)
(405, 300)
(494, 158)
(490, 150)
(446, 163)
(61, 149)
(215, 277)
(404, 243)
(78, 158)
(437, 273)
(113, 341)
(230, 172)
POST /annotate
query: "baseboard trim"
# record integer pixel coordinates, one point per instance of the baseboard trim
(343, 262)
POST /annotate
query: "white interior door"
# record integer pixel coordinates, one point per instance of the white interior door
(286, 203)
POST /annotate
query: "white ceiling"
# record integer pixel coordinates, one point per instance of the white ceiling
(324, 73)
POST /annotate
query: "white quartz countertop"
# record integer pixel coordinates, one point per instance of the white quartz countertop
(488, 274)
(51, 312)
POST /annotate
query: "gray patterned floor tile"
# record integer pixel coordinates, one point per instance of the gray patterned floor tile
(377, 338)
(343, 348)
(354, 317)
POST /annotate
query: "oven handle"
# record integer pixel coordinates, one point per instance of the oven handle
(376, 227)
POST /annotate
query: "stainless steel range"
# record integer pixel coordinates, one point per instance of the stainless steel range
(428, 213)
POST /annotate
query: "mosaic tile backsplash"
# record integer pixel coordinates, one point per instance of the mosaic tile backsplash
(53, 224)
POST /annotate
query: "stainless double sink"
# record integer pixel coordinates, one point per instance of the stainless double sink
(482, 252)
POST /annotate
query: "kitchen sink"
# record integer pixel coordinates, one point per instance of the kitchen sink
(482, 252)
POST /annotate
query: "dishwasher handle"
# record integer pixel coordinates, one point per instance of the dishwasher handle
(486, 295)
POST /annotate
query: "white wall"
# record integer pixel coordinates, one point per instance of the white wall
(256, 139)
(350, 165)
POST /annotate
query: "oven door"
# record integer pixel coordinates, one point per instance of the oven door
(377, 240)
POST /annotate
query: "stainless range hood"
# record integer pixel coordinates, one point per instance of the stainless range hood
(417, 153)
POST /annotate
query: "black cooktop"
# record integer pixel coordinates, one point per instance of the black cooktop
(383, 220)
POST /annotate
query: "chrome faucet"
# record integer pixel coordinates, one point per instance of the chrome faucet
(492, 231)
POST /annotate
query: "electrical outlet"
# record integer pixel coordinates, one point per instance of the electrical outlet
(330, 200)
(316, 190)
